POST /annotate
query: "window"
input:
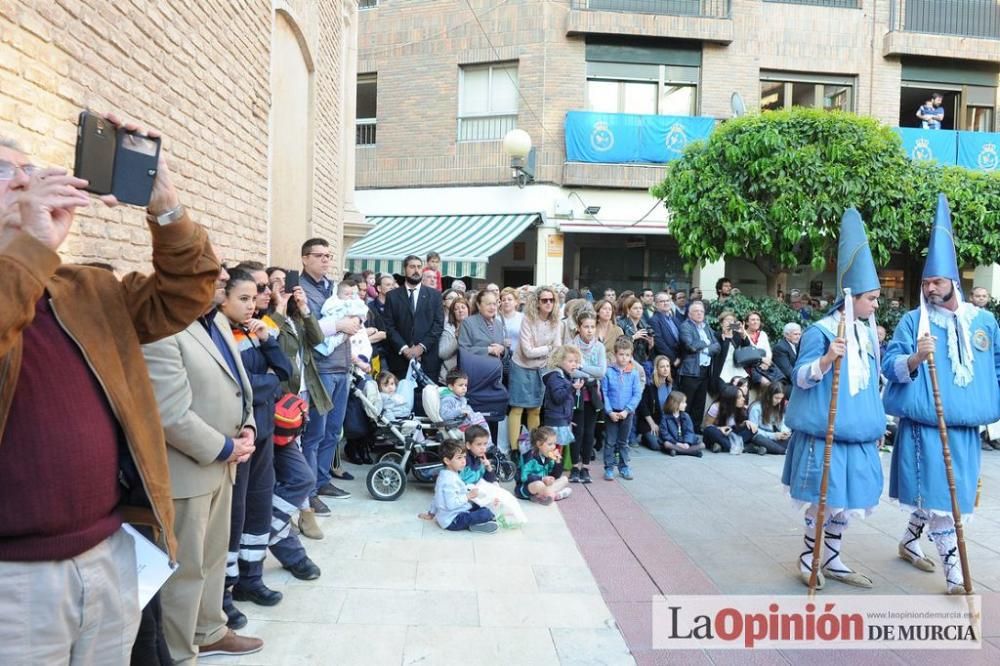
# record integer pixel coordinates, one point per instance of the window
(367, 106)
(641, 88)
(487, 101)
(367, 4)
(783, 90)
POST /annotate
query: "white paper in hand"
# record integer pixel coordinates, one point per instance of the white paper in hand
(152, 565)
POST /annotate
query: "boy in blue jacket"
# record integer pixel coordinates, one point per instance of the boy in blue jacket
(453, 508)
(477, 465)
(622, 393)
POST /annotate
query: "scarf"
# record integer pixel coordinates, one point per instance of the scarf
(958, 325)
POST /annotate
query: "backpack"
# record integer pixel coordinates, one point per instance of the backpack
(290, 415)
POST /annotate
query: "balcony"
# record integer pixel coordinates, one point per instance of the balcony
(703, 20)
(966, 29)
(978, 151)
(365, 132)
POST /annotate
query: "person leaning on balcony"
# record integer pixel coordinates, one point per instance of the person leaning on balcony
(81, 445)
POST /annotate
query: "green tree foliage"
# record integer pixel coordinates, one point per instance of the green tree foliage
(774, 314)
(772, 188)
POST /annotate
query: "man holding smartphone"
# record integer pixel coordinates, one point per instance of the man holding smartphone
(81, 447)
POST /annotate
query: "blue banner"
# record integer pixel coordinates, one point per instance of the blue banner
(922, 145)
(619, 138)
(979, 151)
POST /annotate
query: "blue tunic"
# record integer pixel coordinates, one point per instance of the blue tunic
(917, 476)
(855, 469)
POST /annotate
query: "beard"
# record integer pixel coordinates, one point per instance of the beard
(412, 280)
(941, 300)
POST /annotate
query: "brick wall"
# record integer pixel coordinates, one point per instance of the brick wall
(197, 71)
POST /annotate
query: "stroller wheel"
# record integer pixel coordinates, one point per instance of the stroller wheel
(386, 481)
(505, 469)
(392, 456)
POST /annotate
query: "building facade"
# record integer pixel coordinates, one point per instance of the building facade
(255, 104)
(441, 82)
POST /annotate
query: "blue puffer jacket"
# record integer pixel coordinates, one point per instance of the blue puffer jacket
(266, 366)
(622, 389)
(560, 399)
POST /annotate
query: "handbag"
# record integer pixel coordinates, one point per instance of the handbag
(748, 356)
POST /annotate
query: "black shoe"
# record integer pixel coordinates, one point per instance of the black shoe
(235, 619)
(585, 475)
(343, 476)
(262, 596)
(306, 569)
(699, 453)
(319, 507)
(574, 476)
(332, 491)
(760, 450)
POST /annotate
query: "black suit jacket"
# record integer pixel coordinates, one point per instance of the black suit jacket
(666, 342)
(784, 357)
(406, 328)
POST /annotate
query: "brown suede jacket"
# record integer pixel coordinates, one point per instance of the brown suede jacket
(108, 319)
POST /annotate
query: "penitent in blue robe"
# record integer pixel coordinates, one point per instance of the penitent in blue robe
(855, 469)
(917, 477)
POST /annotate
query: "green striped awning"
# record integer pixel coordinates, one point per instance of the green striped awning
(465, 242)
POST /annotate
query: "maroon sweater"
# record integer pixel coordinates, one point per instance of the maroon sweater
(59, 452)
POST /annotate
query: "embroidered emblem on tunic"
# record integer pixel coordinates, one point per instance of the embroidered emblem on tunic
(980, 340)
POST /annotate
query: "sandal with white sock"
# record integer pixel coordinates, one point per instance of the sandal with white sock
(909, 548)
(947, 546)
(834, 568)
(805, 568)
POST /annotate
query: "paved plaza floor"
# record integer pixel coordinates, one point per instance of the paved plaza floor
(574, 585)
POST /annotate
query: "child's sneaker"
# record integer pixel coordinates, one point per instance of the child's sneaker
(574, 476)
(585, 475)
(489, 527)
(609, 474)
(544, 500)
(626, 473)
(564, 493)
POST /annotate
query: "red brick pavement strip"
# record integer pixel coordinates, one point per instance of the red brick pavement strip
(632, 559)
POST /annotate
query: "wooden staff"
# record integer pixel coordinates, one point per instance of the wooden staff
(827, 455)
(956, 511)
(979, 490)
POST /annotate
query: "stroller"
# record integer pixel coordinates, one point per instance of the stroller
(404, 446)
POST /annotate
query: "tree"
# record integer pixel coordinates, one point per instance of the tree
(772, 188)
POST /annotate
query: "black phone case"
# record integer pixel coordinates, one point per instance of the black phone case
(96, 143)
(134, 172)
(291, 280)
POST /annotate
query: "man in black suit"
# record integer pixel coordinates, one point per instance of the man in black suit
(666, 340)
(698, 345)
(786, 351)
(414, 321)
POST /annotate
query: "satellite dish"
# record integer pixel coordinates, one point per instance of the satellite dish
(737, 105)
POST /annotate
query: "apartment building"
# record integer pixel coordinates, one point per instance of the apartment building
(609, 91)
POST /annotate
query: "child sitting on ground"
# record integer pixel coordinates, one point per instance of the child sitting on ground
(454, 404)
(345, 303)
(541, 467)
(677, 435)
(561, 395)
(452, 507)
(477, 465)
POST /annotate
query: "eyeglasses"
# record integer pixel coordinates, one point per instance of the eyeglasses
(546, 300)
(8, 169)
(320, 255)
(261, 288)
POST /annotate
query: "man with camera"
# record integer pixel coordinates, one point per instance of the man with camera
(81, 447)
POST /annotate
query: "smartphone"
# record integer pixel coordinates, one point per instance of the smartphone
(96, 143)
(115, 161)
(291, 281)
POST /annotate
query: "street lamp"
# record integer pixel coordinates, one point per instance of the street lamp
(517, 145)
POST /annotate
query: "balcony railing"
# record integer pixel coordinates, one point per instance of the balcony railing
(964, 18)
(365, 131)
(706, 8)
(846, 4)
(485, 128)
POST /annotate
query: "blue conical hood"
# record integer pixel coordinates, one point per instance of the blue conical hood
(855, 265)
(941, 259)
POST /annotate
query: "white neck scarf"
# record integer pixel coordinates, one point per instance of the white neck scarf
(958, 325)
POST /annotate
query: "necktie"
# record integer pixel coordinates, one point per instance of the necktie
(413, 299)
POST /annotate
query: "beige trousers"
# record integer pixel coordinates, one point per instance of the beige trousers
(83, 610)
(192, 596)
